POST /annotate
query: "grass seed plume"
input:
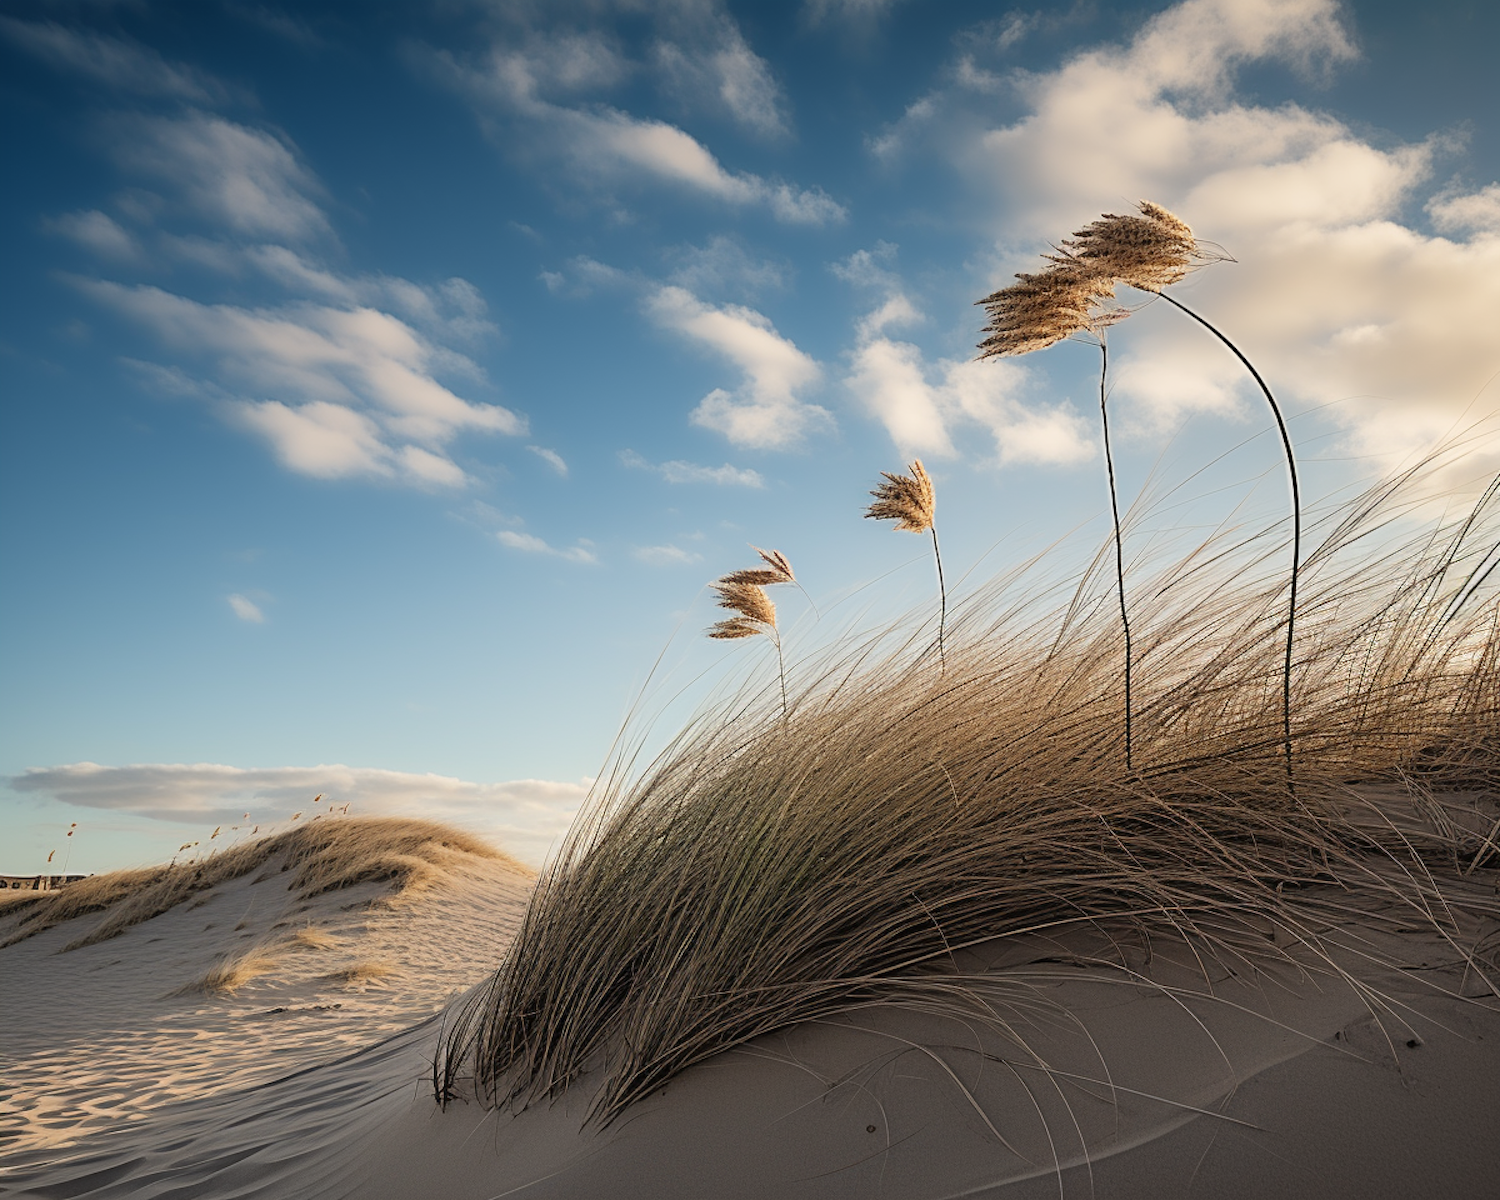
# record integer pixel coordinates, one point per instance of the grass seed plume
(911, 502)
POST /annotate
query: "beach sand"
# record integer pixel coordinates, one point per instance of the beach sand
(1133, 1069)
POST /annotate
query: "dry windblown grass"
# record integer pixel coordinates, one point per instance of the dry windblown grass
(909, 500)
(765, 871)
(232, 973)
(320, 856)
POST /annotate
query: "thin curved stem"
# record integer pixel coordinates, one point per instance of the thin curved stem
(1291, 467)
(942, 600)
(781, 666)
(1114, 508)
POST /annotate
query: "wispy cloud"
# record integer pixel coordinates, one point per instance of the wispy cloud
(114, 62)
(525, 816)
(246, 180)
(552, 458)
(97, 232)
(354, 389)
(607, 146)
(528, 543)
(708, 63)
(766, 409)
(246, 609)
(666, 556)
(678, 471)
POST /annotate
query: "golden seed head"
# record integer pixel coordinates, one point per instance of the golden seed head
(1150, 251)
(906, 499)
(747, 599)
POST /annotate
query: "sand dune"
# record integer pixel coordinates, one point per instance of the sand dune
(1133, 1068)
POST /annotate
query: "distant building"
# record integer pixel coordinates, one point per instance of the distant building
(36, 883)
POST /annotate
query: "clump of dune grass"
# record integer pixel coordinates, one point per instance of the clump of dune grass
(320, 856)
(767, 871)
(310, 937)
(911, 501)
(233, 972)
(366, 971)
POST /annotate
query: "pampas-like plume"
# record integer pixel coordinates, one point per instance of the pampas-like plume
(910, 501)
(1148, 252)
(743, 592)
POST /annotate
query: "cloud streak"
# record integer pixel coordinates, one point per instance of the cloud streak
(766, 410)
(525, 816)
(353, 391)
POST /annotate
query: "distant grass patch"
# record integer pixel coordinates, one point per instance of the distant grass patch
(320, 856)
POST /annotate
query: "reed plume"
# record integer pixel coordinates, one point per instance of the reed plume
(743, 593)
(1075, 295)
(911, 502)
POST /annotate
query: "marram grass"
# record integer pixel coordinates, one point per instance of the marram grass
(768, 871)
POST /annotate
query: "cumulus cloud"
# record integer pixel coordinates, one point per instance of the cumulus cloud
(246, 609)
(607, 146)
(678, 471)
(530, 544)
(1338, 300)
(351, 391)
(765, 410)
(114, 62)
(525, 816)
(922, 405)
(243, 179)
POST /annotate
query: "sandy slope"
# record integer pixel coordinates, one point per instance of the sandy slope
(98, 1037)
(1134, 1070)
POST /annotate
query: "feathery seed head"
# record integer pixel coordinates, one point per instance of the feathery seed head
(747, 599)
(735, 627)
(777, 561)
(906, 499)
(1150, 252)
(1040, 309)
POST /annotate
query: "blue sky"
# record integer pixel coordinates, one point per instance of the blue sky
(383, 384)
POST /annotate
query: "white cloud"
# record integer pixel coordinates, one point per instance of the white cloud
(605, 145)
(552, 458)
(98, 232)
(114, 62)
(1454, 212)
(524, 816)
(666, 556)
(678, 471)
(246, 609)
(766, 409)
(923, 406)
(723, 265)
(352, 390)
(719, 68)
(1336, 299)
(244, 179)
(530, 544)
